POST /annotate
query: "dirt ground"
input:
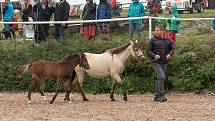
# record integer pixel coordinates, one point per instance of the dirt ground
(179, 107)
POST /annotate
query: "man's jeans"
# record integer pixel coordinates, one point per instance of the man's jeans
(59, 31)
(160, 73)
(132, 27)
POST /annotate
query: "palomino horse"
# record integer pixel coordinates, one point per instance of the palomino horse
(110, 63)
(61, 71)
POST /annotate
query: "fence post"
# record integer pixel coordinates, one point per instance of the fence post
(150, 27)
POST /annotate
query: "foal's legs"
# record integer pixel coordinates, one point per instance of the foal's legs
(39, 87)
(59, 86)
(31, 88)
(67, 87)
(118, 79)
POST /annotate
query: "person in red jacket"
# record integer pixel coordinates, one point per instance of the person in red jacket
(89, 13)
(14, 27)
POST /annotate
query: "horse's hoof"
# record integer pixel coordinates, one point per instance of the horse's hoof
(85, 99)
(125, 98)
(113, 99)
(51, 102)
(29, 102)
(70, 102)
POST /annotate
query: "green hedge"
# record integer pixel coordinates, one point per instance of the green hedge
(192, 67)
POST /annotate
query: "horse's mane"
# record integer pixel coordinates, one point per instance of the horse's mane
(118, 49)
(70, 57)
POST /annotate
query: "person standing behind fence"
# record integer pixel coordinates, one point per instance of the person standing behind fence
(104, 11)
(27, 12)
(61, 14)
(7, 16)
(214, 25)
(136, 9)
(160, 51)
(14, 27)
(42, 12)
(89, 13)
(173, 23)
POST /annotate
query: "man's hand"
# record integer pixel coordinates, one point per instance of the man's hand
(168, 56)
(157, 57)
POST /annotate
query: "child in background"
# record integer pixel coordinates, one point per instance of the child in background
(104, 11)
(14, 27)
(214, 25)
(173, 23)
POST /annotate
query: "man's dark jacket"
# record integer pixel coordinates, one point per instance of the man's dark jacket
(158, 46)
(62, 11)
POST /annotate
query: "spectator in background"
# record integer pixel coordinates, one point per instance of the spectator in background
(26, 14)
(42, 12)
(156, 22)
(150, 6)
(26, 10)
(89, 13)
(61, 14)
(173, 23)
(104, 11)
(214, 25)
(136, 9)
(7, 17)
(14, 27)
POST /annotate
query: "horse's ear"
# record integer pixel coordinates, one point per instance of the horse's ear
(81, 53)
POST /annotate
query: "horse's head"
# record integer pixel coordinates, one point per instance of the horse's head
(83, 61)
(136, 51)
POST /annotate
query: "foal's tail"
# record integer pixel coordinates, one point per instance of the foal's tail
(22, 69)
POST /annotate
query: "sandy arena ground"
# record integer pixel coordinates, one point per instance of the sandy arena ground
(179, 107)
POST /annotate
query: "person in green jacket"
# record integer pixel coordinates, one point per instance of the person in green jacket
(156, 22)
(173, 23)
(136, 9)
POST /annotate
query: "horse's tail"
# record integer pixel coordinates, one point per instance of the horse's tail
(22, 69)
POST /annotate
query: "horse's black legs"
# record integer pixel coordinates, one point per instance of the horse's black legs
(112, 91)
(82, 92)
(125, 98)
(59, 86)
(80, 86)
(118, 79)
